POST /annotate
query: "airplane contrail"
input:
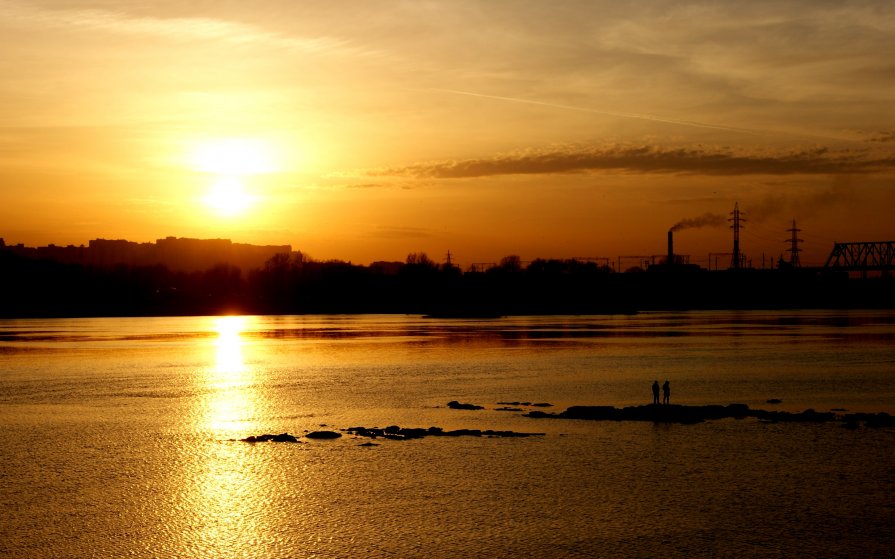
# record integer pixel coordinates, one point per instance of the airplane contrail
(638, 116)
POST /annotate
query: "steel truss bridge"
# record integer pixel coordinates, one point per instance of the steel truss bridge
(862, 257)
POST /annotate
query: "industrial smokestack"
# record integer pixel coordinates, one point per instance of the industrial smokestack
(670, 259)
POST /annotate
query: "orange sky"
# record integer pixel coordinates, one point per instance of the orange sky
(367, 130)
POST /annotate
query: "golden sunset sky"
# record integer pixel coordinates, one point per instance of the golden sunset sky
(364, 131)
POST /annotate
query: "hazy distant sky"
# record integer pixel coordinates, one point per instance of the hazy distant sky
(488, 128)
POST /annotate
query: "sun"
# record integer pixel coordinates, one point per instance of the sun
(228, 196)
(231, 162)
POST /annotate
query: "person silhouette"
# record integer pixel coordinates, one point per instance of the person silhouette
(655, 392)
(666, 392)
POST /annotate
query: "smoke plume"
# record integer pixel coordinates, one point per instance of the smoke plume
(705, 220)
(806, 204)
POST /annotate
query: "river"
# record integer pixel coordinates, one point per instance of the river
(119, 437)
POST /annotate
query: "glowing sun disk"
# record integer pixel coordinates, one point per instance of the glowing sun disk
(228, 196)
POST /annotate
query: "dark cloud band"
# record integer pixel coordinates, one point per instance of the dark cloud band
(648, 159)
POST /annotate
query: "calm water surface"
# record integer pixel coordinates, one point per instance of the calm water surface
(118, 437)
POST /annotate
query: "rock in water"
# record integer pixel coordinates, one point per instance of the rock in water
(281, 438)
(323, 435)
(455, 405)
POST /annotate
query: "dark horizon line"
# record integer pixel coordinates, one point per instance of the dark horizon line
(721, 258)
(139, 243)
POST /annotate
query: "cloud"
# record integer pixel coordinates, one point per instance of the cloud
(652, 159)
(882, 137)
(401, 233)
(180, 29)
(638, 116)
(366, 185)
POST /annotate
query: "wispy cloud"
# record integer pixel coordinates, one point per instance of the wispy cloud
(180, 29)
(638, 116)
(882, 137)
(401, 233)
(366, 185)
(652, 159)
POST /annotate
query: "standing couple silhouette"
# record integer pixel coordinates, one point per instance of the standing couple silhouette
(666, 392)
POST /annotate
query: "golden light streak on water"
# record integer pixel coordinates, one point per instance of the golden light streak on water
(230, 407)
(224, 502)
(229, 345)
(223, 489)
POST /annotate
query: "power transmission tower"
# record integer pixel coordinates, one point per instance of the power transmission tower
(736, 220)
(794, 249)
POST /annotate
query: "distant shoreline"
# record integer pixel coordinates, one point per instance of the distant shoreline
(39, 288)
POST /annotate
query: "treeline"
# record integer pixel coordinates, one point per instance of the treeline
(47, 288)
(421, 286)
(296, 284)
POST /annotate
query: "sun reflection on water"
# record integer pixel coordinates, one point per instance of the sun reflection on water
(229, 345)
(223, 492)
(230, 407)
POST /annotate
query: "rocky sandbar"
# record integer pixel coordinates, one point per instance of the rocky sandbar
(696, 414)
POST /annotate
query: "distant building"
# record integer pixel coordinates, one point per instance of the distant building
(106, 253)
(180, 254)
